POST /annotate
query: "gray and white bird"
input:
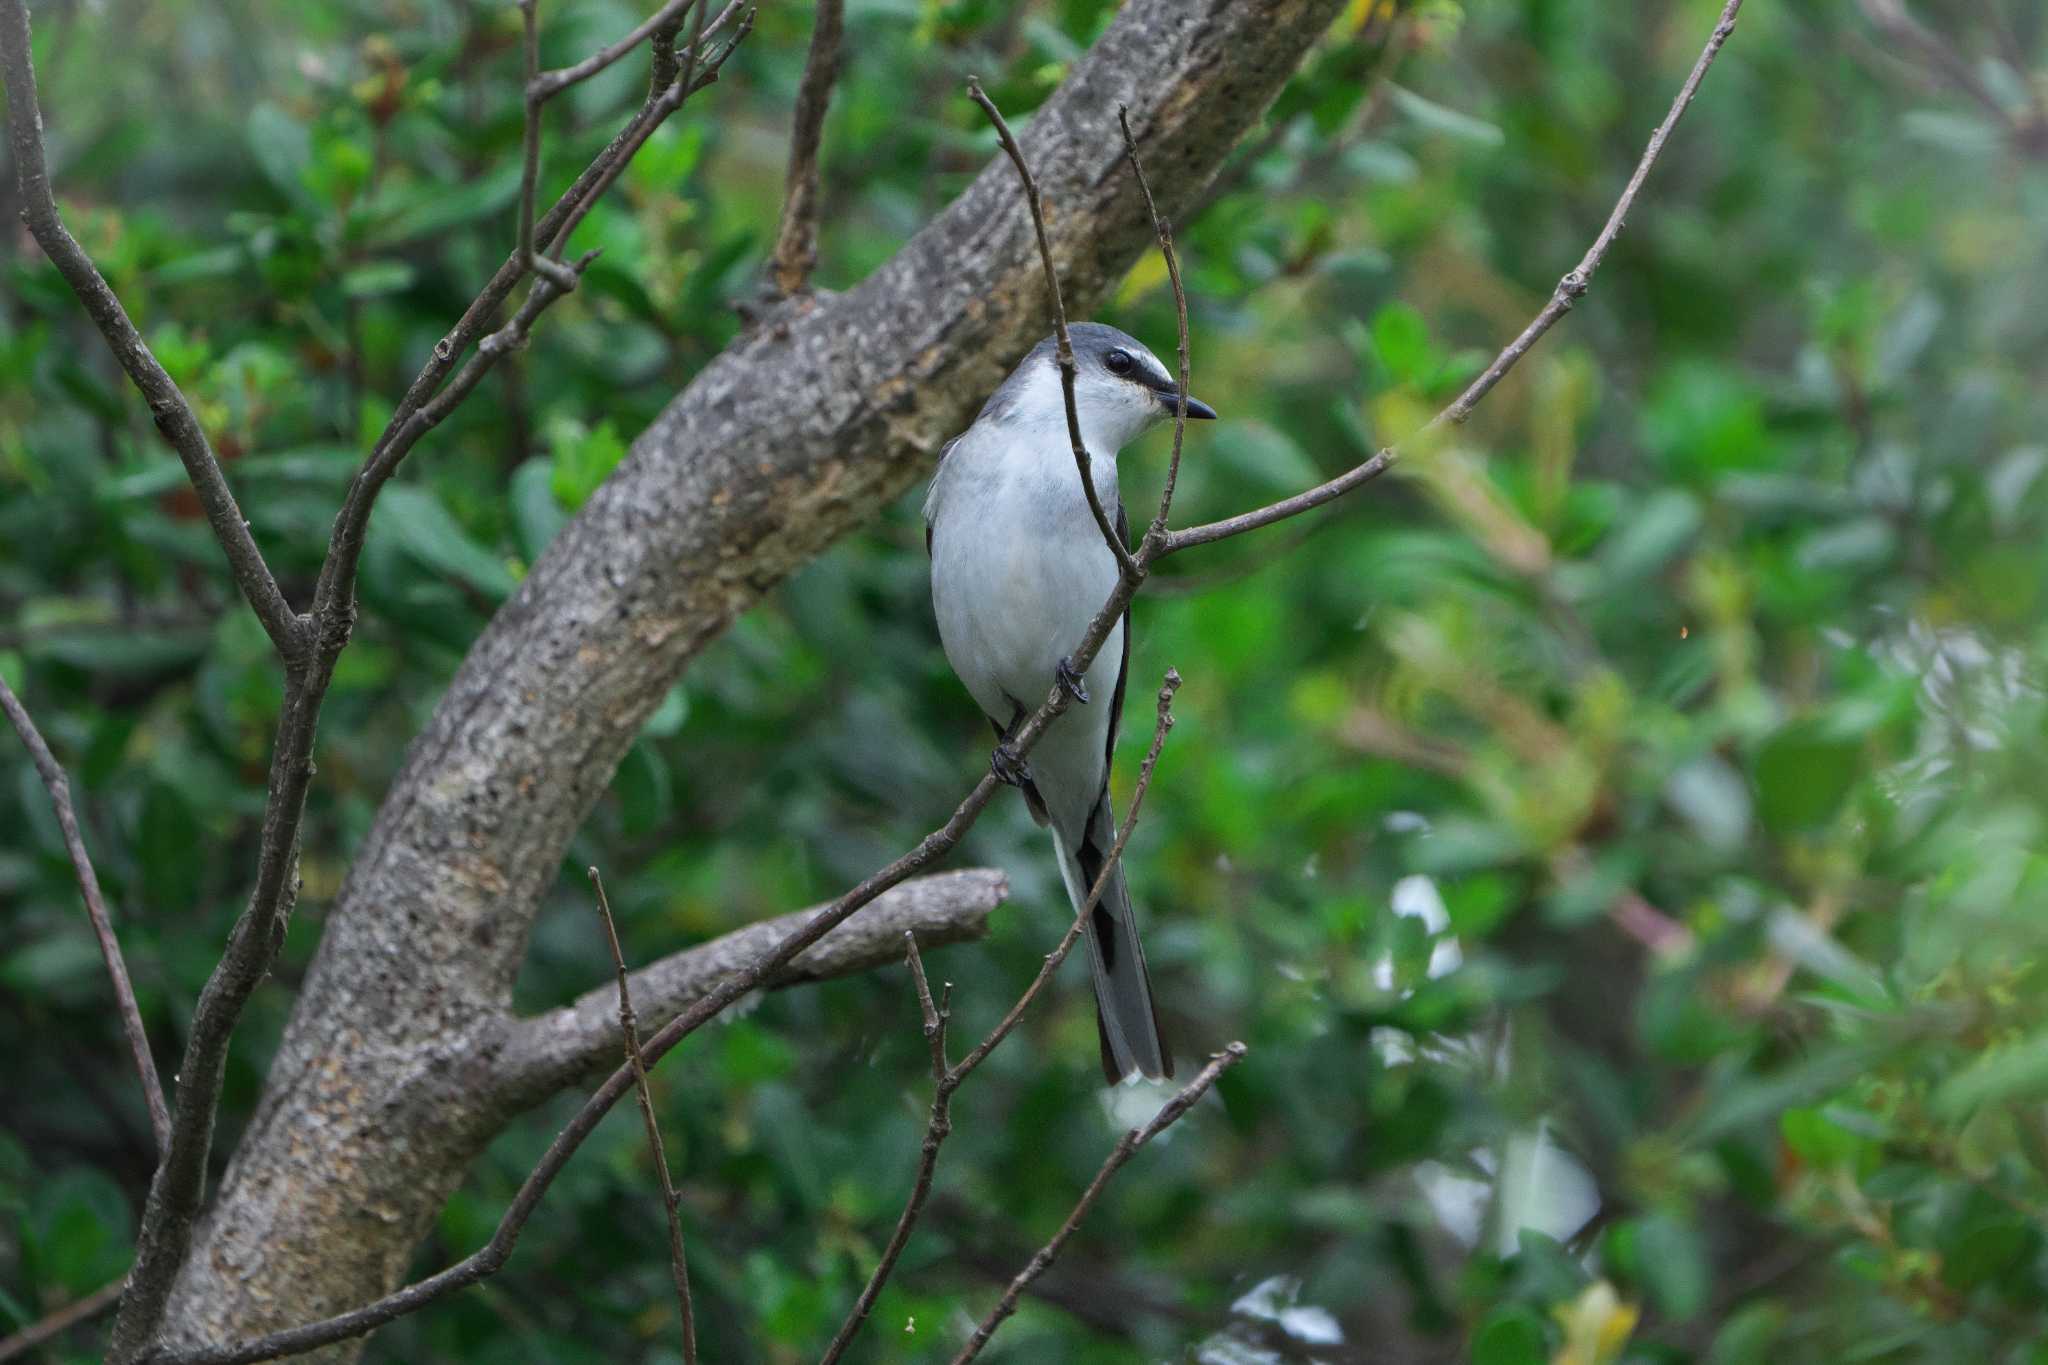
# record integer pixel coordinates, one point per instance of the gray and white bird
(1019, 569)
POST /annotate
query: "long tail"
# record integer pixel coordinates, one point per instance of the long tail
(1124, 1014)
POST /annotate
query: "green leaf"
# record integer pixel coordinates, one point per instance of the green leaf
(1438, 119)
(378, 277)
(536, 516)
(583, 459)
(1511, 1335)
(1400, 338)
(417, 522)
(1672, 1265)
(1645, 542)
(2019, 1071)
(1803, 775)
(81, 1227)
(283, 150)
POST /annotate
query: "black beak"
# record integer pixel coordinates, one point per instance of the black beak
(1198, 411)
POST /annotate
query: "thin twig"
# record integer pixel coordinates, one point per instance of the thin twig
(61, 1321)
(629, 1036)
(59, 787)
(1125, 1148)
(796, 244)
(1569, 290)
(948, 1079)
(937, 1129)
(554, 272)
(552, 83)
(1164, 232)
(694, 78)
(167, 406)
(1064, 352)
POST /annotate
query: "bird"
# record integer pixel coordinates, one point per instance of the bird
(1019, 568)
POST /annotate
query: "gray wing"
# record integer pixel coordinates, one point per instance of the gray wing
(944, 451)
(1123, 670)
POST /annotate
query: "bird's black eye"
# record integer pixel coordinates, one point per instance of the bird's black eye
(1117, 362)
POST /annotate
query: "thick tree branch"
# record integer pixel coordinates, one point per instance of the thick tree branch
(564, 1046)
(796, 244)
(169, 1217)
(167, 406)
(59, 787)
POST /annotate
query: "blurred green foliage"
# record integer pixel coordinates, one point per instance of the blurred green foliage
(1617, 834)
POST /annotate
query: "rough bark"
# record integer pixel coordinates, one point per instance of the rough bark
(400, 1061)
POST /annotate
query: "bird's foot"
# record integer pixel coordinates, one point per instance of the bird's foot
(1071, 683)
(1008, 765)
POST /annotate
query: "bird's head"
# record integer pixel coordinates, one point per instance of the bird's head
(1121, 390)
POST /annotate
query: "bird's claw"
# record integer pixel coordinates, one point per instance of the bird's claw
(1071, 683)
(1008, 766)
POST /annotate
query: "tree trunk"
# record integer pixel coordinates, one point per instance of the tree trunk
(401, 1060)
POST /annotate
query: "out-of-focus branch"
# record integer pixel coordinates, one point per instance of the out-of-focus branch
(629, 1037)
(61, 1321)
(796, 244)
(167, 406)
(1569, 291)
(1124, 1150)
(59, 788)
(1937, 55)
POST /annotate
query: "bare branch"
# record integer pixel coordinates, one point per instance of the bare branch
(629, 1037)
(167, 406)
(796, 244)
(1569, 291)
(1125, 1148)
(937, 1129)
(61, 1321)
(668, 17)
(554, 272)
(1164, 231)
(59, 788)
(551, 1050)
(949, 1079)
(694, 78)
(1064, 354)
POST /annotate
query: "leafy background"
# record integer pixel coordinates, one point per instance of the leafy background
(1617, 835)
